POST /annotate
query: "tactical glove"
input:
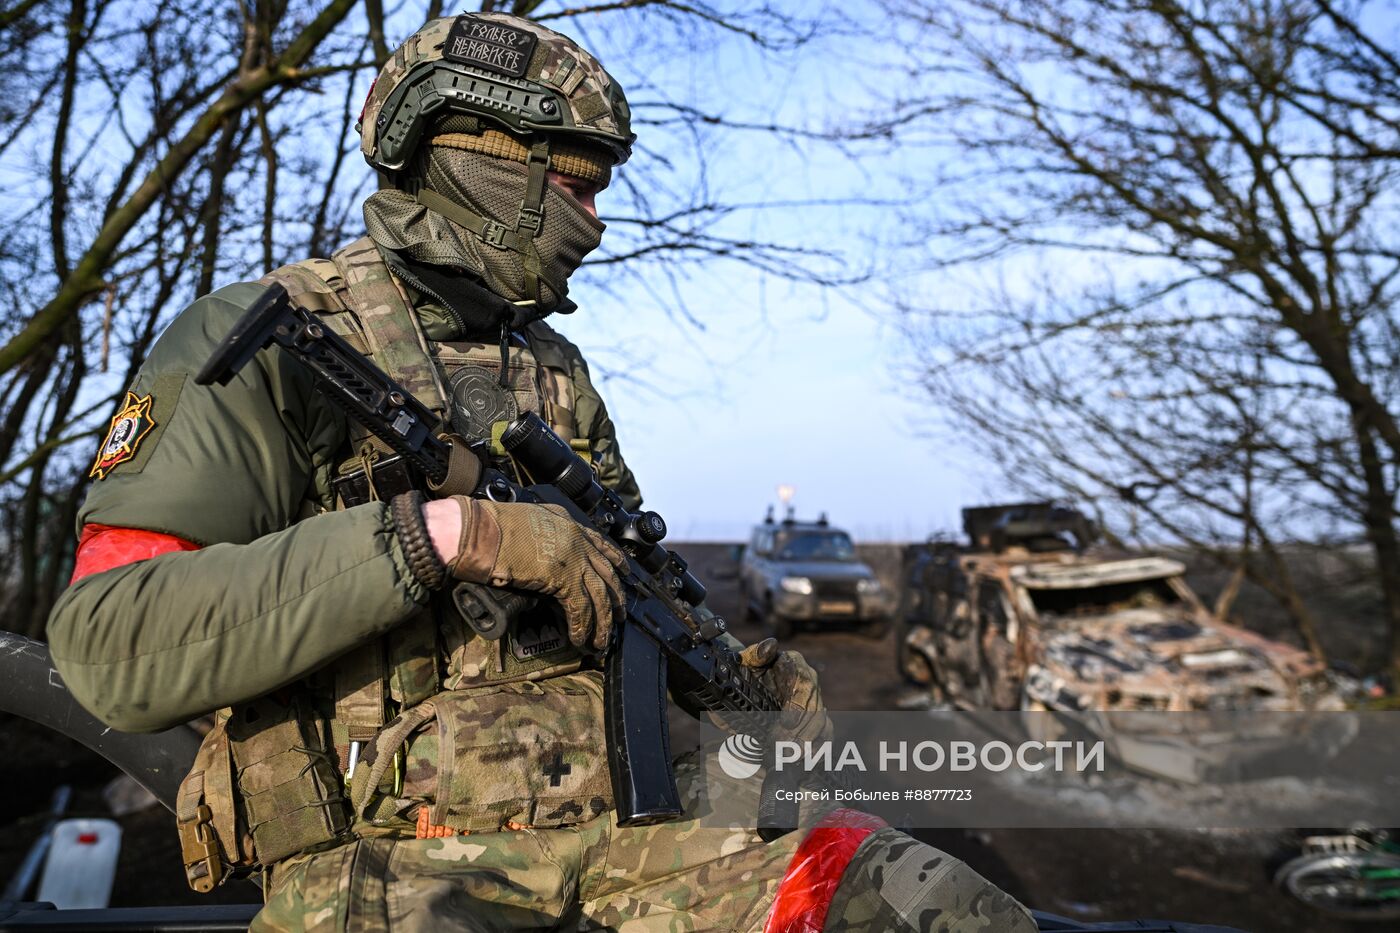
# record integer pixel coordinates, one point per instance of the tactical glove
(794, 682)
(541, 549)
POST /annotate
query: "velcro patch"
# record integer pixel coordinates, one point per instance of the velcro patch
(537, 637)
(489, 45)
(139, 423)
(130, 425)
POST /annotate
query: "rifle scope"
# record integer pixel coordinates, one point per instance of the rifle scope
(547, 458)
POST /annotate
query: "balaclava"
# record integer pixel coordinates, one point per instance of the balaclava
(465, 120)
(493, 187)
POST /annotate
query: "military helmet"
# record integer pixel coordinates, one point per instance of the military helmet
(503, 71)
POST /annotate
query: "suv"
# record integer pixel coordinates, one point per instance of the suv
(796, 573)
(1024, 618)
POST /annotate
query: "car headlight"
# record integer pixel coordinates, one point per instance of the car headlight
(868, 587)
(799, 585)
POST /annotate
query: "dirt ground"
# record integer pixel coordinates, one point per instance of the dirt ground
(1188, 874)
(1194, 875)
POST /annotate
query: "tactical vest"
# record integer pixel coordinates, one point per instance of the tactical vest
(447, 731)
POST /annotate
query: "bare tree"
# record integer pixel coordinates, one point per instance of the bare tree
(108, 169)
(1212, 182)
(152, 152)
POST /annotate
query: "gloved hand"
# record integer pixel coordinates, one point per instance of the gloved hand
(541, 549)
(794, 682)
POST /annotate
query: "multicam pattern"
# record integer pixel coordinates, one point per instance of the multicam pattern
(595, 100)
(896, 883)
(388, 323)
(672, 878)
(521, 753)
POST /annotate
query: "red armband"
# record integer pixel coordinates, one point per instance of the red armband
(805, 893)
(102, 547)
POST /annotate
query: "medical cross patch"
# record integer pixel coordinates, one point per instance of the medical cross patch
(130, 424)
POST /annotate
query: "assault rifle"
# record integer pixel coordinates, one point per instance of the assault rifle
(663, 642)
(664, 639)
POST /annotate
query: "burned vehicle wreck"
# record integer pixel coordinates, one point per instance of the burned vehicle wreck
(1027, 617)
(31, 688)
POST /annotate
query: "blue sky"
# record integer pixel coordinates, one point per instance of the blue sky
(792, 398)
(778, 383)
(766, 382)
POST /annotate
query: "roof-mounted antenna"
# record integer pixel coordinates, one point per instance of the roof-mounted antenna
(785, 493)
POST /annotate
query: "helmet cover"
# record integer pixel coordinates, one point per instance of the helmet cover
(505, 72)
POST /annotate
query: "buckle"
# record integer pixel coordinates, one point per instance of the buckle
(531, 218)
(494, 234)
(200, 851)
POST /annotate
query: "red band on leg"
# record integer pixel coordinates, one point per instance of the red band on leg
(102, 547)
(805, 893)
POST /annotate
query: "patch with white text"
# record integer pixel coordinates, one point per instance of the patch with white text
(492, 46)
(130, 425)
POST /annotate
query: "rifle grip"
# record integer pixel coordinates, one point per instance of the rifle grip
(777, 816)
(489, 610)
(638, 731)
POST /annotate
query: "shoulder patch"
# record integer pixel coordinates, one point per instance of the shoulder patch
(139, 423)
(489, 45)
(130, 425)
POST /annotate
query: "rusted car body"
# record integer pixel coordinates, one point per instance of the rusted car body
(1028, 617)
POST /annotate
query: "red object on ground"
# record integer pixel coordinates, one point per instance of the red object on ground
(102, 547)
(805, 893)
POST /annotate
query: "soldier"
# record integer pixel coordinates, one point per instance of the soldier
(383, 765)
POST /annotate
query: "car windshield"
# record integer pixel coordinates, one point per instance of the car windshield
(829, 545)
(1104, 599)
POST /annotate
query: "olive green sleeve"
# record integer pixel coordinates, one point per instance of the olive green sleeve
(221, 463)
(267, 599)
(157, 642)
(595, 424)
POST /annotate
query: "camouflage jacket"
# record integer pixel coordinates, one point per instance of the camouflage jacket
(282, 584)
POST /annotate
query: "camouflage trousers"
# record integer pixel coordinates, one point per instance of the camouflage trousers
(678, 876)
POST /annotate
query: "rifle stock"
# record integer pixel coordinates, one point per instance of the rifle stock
(663, 640)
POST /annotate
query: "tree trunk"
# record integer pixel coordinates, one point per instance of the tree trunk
(1379, 519)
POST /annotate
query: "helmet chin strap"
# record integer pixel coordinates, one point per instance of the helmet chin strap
(531, 217)
(528, 224)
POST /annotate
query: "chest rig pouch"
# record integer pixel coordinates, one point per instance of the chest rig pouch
(445, 726)
(448, 728)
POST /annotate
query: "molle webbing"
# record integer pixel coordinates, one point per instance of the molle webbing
(205, 815)
(313, 283)
(395, 338)
(288, 779)
(360, 677)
